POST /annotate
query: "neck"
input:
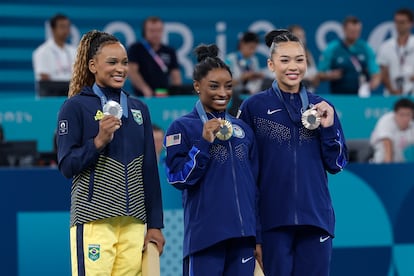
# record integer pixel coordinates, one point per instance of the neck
(402, 39)
(59, 43)
(349, 42)
(154, 46)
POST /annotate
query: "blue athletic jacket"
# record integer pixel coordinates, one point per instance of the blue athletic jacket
(218, 181)
(293, 161)
(122, 179)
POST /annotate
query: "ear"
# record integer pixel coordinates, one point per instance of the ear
(92, 67)
(196, 86)
(270, 65)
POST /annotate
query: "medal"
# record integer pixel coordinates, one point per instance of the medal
(311, 119)
(112, 108)
(226, 131)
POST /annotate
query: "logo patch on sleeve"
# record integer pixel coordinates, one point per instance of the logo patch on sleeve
(63, 127)
(174, 139)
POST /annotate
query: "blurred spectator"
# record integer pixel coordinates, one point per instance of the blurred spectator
(53, 60)
(310, 80)
(349, 64)
(2, 137)
(396, 57)
(153, 66)
(158, 133)
(244, 65)
(394, 133)
(171, 197)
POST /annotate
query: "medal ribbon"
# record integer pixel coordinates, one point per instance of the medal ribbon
(302, 93)
(123, 99)
(202, 113)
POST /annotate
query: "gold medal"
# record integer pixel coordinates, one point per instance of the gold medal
(311, 119)
(226, 131)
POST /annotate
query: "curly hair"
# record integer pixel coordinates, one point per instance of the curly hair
(90, 44)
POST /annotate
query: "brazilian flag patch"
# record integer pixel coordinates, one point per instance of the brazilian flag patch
(94, 251)
(137, 116)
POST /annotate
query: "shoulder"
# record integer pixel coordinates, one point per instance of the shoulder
(332, 46)
(411, 41)
(364, 45)
(167, 49)
(136, 46)
(264, 95)
(43, 48)
(78, 102)
(386, 120)
(186, 121)
(70, 48)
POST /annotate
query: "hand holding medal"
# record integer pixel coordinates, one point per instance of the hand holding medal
(311, 119)
(112, 108)
(325, 113)
(217, 127)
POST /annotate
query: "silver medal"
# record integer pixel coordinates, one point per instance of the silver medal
(112, 108)
(311, 119)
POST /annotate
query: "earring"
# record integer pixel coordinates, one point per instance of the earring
(198, 92)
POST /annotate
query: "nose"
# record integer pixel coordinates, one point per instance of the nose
(222, 92)
(292, 66)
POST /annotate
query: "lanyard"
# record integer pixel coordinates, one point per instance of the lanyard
(202, 113)
(354, 60)
(155, 56)
(401, 53)
(97, 90)
(303, 98)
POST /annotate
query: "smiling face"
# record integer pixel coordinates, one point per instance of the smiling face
(288, 62)
(215, 90)
(110, 65)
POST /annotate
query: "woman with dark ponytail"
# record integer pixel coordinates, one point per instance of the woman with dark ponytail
(212, 158)
(105, 145)
(299, 139)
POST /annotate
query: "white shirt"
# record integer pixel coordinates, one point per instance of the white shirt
(390, 55)
(386, 127)
(53, 60)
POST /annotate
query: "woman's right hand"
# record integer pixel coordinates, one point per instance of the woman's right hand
(211, 128)
(107, 127)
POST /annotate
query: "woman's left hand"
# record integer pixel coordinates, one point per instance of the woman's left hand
(326, 112)
(155, 235)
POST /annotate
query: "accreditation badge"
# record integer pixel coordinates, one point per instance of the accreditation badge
(311, 119)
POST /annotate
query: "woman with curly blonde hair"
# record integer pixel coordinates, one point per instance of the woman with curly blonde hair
(105, 144)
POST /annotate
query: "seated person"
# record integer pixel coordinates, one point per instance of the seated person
(153, 66)
(53, 60)
(394, 133)
(244, 65)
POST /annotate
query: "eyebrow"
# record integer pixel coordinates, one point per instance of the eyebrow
(290, 56)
